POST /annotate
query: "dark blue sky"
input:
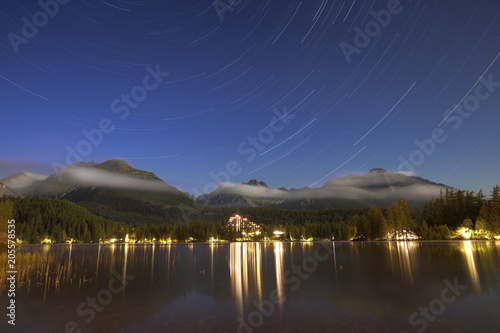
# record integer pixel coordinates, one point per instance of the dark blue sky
(358, 81)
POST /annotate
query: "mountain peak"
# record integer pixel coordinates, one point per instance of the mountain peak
(122, 167)
(377, 170)
(83, 164)
(113, 164)
(255, 182)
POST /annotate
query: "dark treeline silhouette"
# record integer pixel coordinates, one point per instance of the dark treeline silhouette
(39, 219)
(439, 218)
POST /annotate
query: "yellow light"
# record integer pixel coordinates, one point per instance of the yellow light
(465, 233)
(277, 232)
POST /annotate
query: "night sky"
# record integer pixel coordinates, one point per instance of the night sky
(293, 93)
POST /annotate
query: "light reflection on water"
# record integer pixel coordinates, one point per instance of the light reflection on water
(183, 286)
(471, 265)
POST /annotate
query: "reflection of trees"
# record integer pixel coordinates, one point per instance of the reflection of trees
(391, 278)
(385, 278)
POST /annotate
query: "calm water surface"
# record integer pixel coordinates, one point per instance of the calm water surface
(299, 287)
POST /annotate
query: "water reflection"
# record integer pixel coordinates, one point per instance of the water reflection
(381, 281)
(471, 264)
(245, 267)
(335, 262)
(152, 262)
(278, 259)
(406, 253)
(235, 269)
(98, 262)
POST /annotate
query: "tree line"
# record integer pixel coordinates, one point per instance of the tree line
(39, 219)
(439, 218)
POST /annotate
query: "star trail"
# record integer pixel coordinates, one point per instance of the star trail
(293, 93)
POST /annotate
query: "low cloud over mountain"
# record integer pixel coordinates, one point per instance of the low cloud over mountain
(377, 187)
(112, 174)
(22, 179)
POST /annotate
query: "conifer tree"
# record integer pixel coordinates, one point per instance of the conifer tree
(495, 210)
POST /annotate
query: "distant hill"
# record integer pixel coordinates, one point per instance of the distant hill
(377, 187)
(246, 195)
(115, 190)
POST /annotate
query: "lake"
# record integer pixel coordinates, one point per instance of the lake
(261, 287)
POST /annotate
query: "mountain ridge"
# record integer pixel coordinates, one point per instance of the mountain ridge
(376, 187)
(81, 181)
(115, 190)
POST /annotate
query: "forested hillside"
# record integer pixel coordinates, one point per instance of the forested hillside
(455, 214)
(133, 207)
(40, 218)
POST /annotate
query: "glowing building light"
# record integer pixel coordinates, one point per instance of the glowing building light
(465, 232)
(239, 223)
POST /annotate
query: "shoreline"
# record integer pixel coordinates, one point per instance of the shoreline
(266, 242)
